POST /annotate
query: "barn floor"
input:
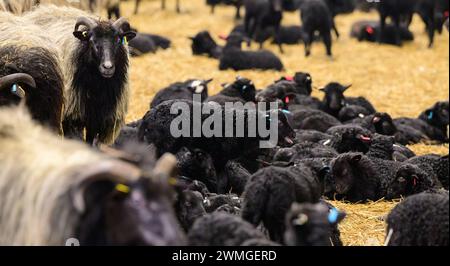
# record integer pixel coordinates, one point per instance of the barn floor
(401, 81)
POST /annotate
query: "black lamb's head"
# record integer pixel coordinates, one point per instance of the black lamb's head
(203, 43)
(104, 43)
(383, 124)
(334, 96)
(13, 88)
(245, 87)
(344, 172)
(409, 179)
(120, 204)
(310, 224)
(349, 138)
(438, 115)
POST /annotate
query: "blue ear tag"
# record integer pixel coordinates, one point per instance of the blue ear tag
(430, 115)
(333, 215)
(285, 111)
(14, 88)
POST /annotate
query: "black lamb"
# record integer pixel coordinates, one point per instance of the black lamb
(420, 220)
(271, 191)
(203, 43)
(222, 229)
(348, 138)
(434, 165)
(312, 225)
(182, 90)
(235, 58)
(241, 90)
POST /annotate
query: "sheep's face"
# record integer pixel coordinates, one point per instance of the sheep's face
(311, 224)
(196, 163)
(406, 181)
(13, 88)
(189, 207)
(304, 80)
(438, 115)
(383, 124)
(246, 88)
(286, 133)
(106, 46)
(133, 214)
(342, 172)
(334, 96)
(203, 43)
(352, 139)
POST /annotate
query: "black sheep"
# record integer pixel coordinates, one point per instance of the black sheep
(360, 178)
(234, 178)
(410, 179)
(188, 208)
(370, 31)
(435, 165)
(263, 14)
(316, 17)
(432, 122)
(241, 90)
(147, 43)
(222, 229)
(420, 220)
(312, 225)
(348, 138)
(334, 99)
(196, 164)
(156, 129)
(235, 58)
(271, 191)
(182, 90)
(308, 118)
(305, 150)
(41, 89)
(203, 43)
(396, 10)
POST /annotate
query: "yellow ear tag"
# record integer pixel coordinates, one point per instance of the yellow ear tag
(173, 181)
(123, 188)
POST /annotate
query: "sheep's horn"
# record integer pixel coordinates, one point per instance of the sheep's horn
(165, 166)
(113, 170)
(85, 21)
(17, 78)
(120, 24)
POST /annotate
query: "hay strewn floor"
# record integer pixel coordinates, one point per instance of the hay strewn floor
(400, 81)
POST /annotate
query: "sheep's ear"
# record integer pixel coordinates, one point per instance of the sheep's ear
(346, 87)
(356, 158)
(100, 179)
(323, 90)
(81, 35)
(130, 35)
(335, 216)
(191, 38)
(208, 81)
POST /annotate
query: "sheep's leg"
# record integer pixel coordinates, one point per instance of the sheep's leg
(178, 7)
(335, 30)
(163, 4)
(278, 39)
(327, 40)
(213, 8)
(398, 40)
(307, 39)
(238, 12)
(382, 26)
(428, 19)
(136, 6)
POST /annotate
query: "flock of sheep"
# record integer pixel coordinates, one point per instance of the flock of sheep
(71, 168)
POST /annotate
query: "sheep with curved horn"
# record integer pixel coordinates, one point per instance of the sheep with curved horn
(94, 58)
(55, 190)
